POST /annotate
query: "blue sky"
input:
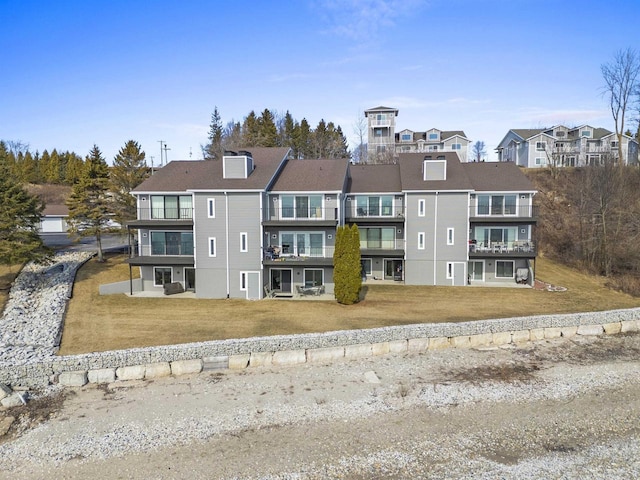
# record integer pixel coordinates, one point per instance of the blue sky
(77, 73)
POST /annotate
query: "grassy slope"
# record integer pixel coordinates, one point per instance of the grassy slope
(98, 323)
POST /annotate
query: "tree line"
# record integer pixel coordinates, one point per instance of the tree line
(99, 195)
(62, 168)
(271, 129)
(589, 218)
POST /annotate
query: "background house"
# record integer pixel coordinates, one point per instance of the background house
(564, 147)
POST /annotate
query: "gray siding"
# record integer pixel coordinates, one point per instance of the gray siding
(213, 273)
(444, 210)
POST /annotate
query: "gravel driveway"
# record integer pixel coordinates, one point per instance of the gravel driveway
(565, 409)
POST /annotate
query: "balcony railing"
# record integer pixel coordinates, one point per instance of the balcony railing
(383, 212)
(516, 247)
(307, 214)
(296, 252)
(503, 211)
(165, 213)
(167, 249)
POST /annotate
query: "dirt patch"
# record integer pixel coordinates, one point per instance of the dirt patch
(26, 417)
(504, 373)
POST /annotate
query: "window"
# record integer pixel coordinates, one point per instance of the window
(212, 246)
(433, 148)
(559, 134)
(497, 205)
(456, 146)
(540, 161)
(449, 270)
(373, 238)
(420, 240)
(378, 132)
(243, 281)
(211, 207)
(171, 243)
(381, 148)
(381, 117)
(433, 136)
(301, 206)
(614, 144)
(374, 206)
(171, 206)
(450, 236)
(491, 235)
(303, 244)
(585, 133)
(244, 239)
(406, 137)
(421, 207)
(504, 269)
(313, 277)
(541, 146)
(161, 275)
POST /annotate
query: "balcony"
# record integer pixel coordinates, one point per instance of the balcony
(154, 216)
(367, 214)
(518, 248)
(509, 213)
(290, 254)
(319, 216)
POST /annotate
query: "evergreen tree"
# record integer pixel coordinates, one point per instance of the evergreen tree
(73, 168)
(20, 216)
(346, 265)
(303, 147)
(213, 150)
(27, 169)
(250, 130)
(52, 175)
(268, 136)
(129, 170)
(89, 204)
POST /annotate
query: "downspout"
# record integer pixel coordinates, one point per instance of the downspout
(435, 240)
(226, 221)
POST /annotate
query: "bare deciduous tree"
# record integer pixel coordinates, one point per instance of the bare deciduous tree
(622, 84)
(360, 130)
(479, 151)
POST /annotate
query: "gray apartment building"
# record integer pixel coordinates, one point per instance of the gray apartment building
(258, 223)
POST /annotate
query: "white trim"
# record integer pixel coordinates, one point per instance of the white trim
(305, 270)
(243, 279)
(484, 269)
(154, 275)
(211, 208)
(449, 273)
(422, 207)
(421, 240)
(505, 261)
(450, 236)
(211, 246)
(244, 242)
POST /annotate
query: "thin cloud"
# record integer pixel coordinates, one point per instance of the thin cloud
(413, 103)
(361, 20)
(288, 77)
(562, 116)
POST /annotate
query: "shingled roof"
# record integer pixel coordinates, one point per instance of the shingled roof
(411, 174)
(497, 176)
(374, 178)
(313, 175)
(180, 176)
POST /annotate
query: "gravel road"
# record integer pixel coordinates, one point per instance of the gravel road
(560, 409)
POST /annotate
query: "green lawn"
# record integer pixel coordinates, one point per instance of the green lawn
(98, 323)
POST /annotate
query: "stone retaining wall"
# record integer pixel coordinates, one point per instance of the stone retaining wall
(141, 363)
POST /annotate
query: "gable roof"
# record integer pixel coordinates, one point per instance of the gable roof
(526, 133)
(312, 175)
(179, 176)
(411, 174)
(497, 176)
(381, 178)
(379, 109)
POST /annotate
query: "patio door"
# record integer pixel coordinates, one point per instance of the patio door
(393, 269)
(281, 280)
(476, 271)
(190, 279)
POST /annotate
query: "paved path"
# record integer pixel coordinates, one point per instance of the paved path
(566, 408)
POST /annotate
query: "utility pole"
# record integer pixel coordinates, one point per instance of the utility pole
(166, 157)
(151, 157)
(161, 142)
